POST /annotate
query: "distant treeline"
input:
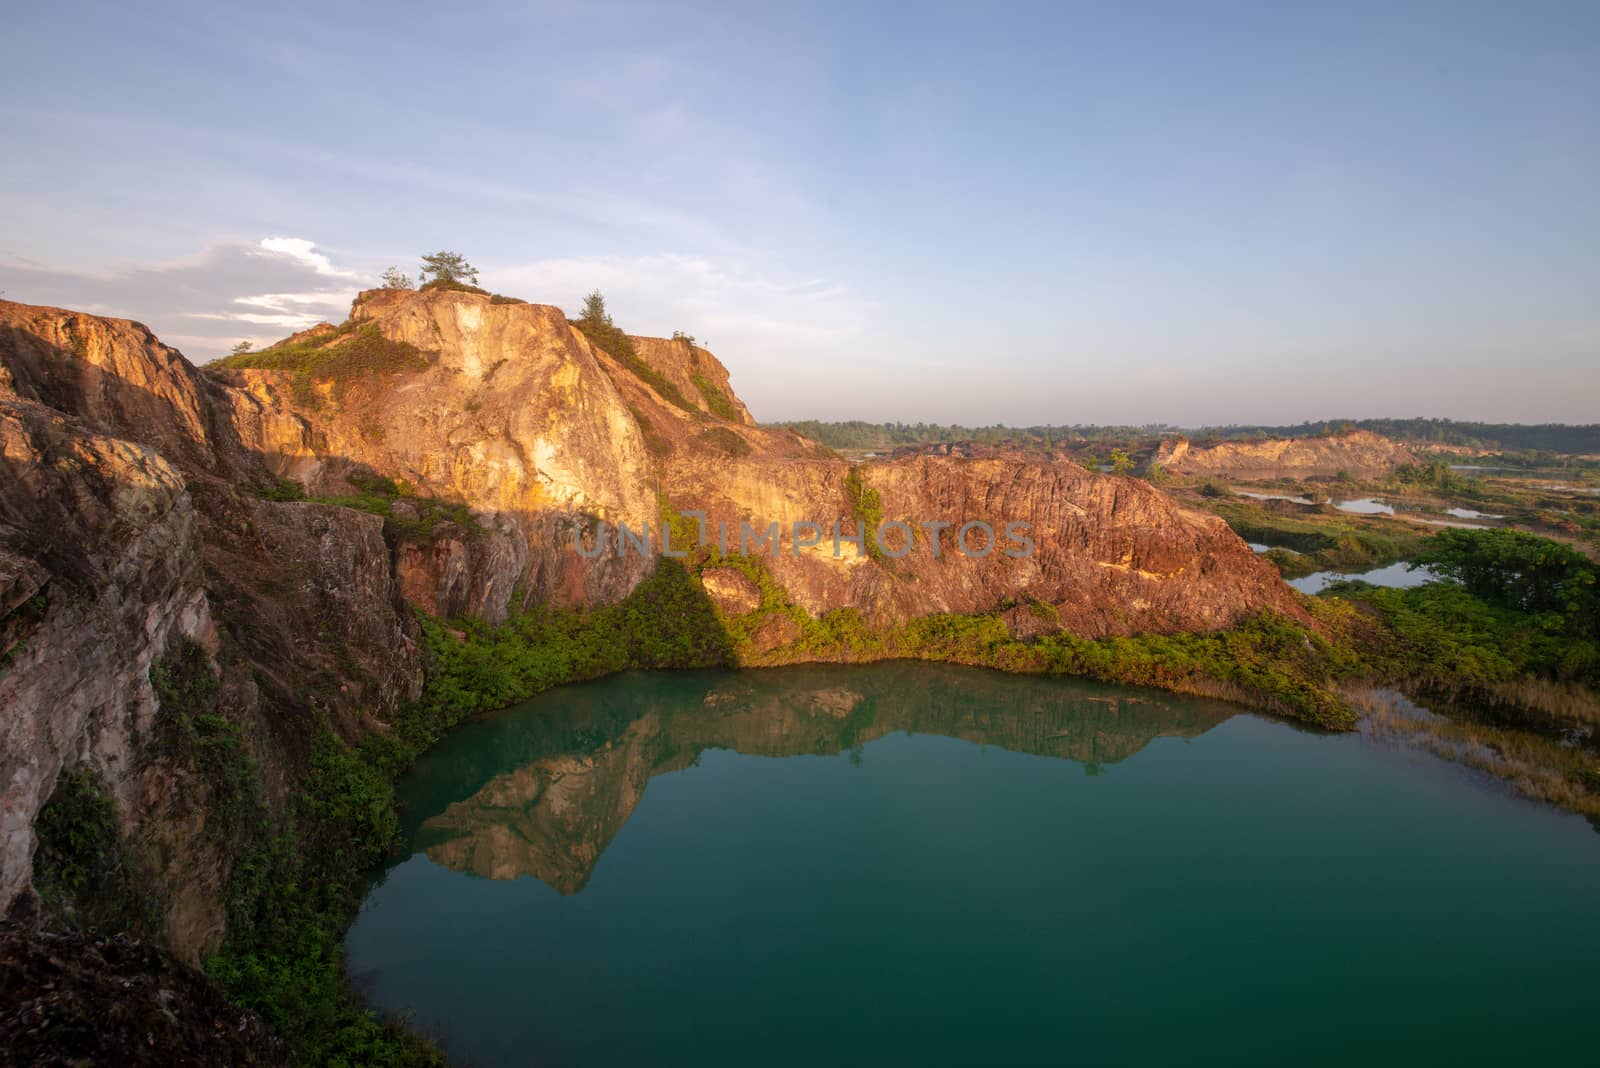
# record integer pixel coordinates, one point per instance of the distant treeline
(1507, 437)
(856, 434)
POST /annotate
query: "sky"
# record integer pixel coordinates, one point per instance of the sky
(1187, 213)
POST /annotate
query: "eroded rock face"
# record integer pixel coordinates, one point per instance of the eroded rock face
(132, 515)
(126, 527)
(1112, 555)
(1361, 453)
(514, 418)
(699, 376)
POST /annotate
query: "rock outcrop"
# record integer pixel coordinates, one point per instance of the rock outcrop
(1360, 453)
(128, 526)
(145, 504)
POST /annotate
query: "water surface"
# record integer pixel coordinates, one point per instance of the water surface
(905, 864)
(1364, 506)
(1398, 576)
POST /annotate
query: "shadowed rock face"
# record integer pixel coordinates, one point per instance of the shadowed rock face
(126, 523)
(1361, 453)
(565, 776)
(132, 514)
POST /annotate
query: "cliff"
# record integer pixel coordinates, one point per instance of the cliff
(1361, 453)
(146, 505)
(130, 525)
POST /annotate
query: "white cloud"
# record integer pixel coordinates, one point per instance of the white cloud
(300, 250)
(756, 318)
(203, 304)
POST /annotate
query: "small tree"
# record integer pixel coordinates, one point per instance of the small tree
(1121, 462)
(449, 267)
(594, 310)
(395, 278)
(241, 348)
(679, 335)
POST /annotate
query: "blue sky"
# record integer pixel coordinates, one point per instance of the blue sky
(1190, 212)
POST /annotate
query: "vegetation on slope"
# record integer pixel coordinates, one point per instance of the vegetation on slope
(1517, 606)
(295, 889)
(1326, 541)
(353, 350)
(716, 400)
(595, 324)
(83, 871)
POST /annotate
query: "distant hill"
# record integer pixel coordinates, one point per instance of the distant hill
(1507, 437)
(1496, 437)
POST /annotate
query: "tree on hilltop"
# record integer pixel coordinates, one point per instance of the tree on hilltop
(594, 310)
(395, 278)
(449, 267)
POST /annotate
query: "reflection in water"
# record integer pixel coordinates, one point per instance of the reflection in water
(541, 790)
(943, 897)
(1397, 576)
(1364, 506)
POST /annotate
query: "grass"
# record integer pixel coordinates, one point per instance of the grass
(611, 339)
(725, 441)
(451, 284)
(1539, 767)
(414, 520)
(1320, 542)
(716, 400)
(349, 352)
(654, 441)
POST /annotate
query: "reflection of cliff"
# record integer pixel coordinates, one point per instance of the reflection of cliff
(542, 790)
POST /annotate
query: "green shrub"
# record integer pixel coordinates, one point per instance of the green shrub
(350, 352)
(865, 505)
(416, 521)
(283, 489)
(666, 622)
(452, 284)
(1520, 571)
(292, 896)
(82, 870)
(190, 731)
(596, 325)
(716, 400)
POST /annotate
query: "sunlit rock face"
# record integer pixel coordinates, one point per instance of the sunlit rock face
(519, 417)
(144, 504)
(1360, 453)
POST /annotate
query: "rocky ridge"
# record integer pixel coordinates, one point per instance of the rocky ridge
(142, 505)
(1360, 453)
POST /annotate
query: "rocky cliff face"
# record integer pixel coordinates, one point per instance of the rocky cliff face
(128, 525)
(141, 507)
(1361, 453)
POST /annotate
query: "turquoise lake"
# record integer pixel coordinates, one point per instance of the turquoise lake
(908, 863)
